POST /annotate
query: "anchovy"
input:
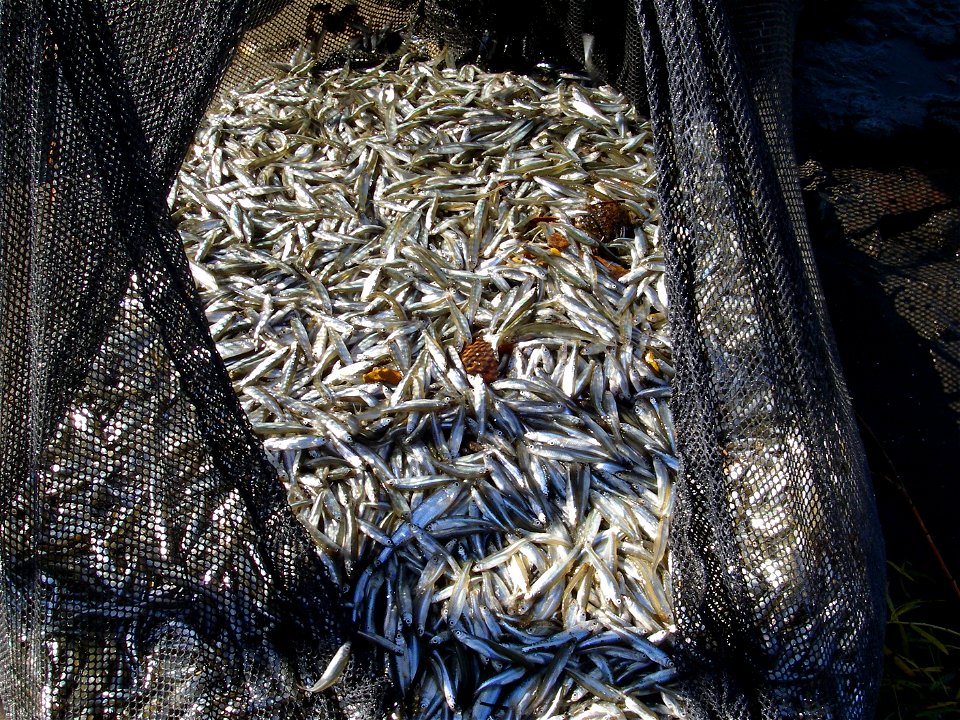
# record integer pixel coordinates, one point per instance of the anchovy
(502, 531)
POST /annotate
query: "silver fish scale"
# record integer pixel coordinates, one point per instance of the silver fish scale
(351, 232)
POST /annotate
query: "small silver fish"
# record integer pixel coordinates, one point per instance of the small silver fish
(504, 538)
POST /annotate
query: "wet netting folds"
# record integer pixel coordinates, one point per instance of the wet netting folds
(150, 563)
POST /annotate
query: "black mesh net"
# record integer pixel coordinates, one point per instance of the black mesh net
(151, 565)
(887, 244)
(774, 435)
(904, 227)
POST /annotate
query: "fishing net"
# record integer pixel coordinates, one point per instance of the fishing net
(151, 564)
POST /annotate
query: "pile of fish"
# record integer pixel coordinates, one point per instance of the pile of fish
(439, 294)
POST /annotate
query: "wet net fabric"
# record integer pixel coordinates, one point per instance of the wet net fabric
(774, 478)
(150, 564)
